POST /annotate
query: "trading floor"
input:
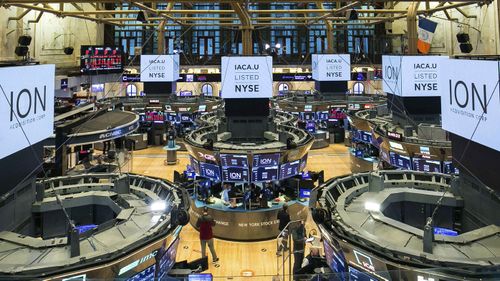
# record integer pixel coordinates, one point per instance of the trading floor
(238, 259)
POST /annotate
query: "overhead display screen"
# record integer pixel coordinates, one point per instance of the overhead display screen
(236, 160)
(289, 169)
(246, 77)
(100, 59)
(266, 160)
(336, 261)
(269, 173)
(331, 67)
(159, 68)
(470, 104)
(449, 168)
(27, 106)
(400, 161)
(234, 174)
(210, 171)
(425, 165)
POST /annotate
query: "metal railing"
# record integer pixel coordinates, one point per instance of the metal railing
(285, 257)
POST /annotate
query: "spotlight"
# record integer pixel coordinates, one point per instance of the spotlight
(141, 16)
(158, 206)
(267, 46)
(277, 46)
(68, 50)
(21, 51)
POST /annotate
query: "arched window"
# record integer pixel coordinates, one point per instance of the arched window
(207, 90)
(131, 90)
(358, 88)
(283, 87)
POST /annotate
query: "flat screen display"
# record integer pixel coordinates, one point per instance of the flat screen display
(154, 116)
(269, 173)
(400, 161)
(308, 108)
(172, 117)
(100, 59)
(449, 168)
(303, 163)
(195, 165)
(311, 127)
(335, 261)
(185, 93)
(424, 165)
(202, 107)
(365, 136)
(323, 115)
(185, 118)
(200, 277)
(167, 260)
(266, 160)
(234, 174)
(289, 169)
(209, 171)
(358, 275)
(145, 275)
(236, 160)
(445, 231)
(304, 193)
(308, 116)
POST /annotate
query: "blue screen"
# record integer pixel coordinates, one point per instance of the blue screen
(445, 231)
(209, 171)
(400, 161)
(84, 228)
(234, 174)
(365, 136)
(449, 168)
(236, 160)
(195, 165)
(265, 173)
(358, 275)
(311, 127)
(266, 160)
(323, 115)
(304, 193)
(335, 261)
(200, 277)
(167, 261)
(424, 165)
(303, 163)
(145, 275)
(289, 169)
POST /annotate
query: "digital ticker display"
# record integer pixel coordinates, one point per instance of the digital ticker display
(266, 160)
(210, 171)
(424, 165)
(235, 160)
(234, 174)
(289, 169)
(400, 161)
(265, 173)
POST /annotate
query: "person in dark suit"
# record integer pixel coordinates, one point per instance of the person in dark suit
(284, 219)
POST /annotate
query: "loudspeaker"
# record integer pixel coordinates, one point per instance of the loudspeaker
(463, 37)
(21, 51)
(352, 15)
(24, 40)
(466, 48)
(68, 50)
(141, 17)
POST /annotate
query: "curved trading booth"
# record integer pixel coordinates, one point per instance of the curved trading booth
(158, 114)
(375, 137)
(260, 175)
(97, 226)
(406, 225)
(323, 116)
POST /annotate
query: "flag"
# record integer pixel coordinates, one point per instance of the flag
(426, 30)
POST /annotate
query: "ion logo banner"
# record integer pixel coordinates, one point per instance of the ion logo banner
(247, 77)
(412, 76)
(470, 103)
(26, 103)
(159, 68)
(331, 67)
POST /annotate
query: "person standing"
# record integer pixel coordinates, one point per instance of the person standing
(299, 244)
(205, 224)
(284, 219)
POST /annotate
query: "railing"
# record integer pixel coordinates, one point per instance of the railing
(285, 257)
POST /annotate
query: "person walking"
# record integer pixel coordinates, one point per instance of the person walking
(205, 224)
(284, 219)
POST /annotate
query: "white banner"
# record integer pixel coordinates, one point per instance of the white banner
(470, 103)
(247, 77)
(26, 104)
(412, 76)
(159, 68)
(331, 67)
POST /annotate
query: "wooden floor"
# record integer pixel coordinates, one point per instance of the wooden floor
(237, 259)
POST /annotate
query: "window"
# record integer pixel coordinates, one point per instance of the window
(283, 87)
(207, 90)
(358, 88)
(131, 90)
